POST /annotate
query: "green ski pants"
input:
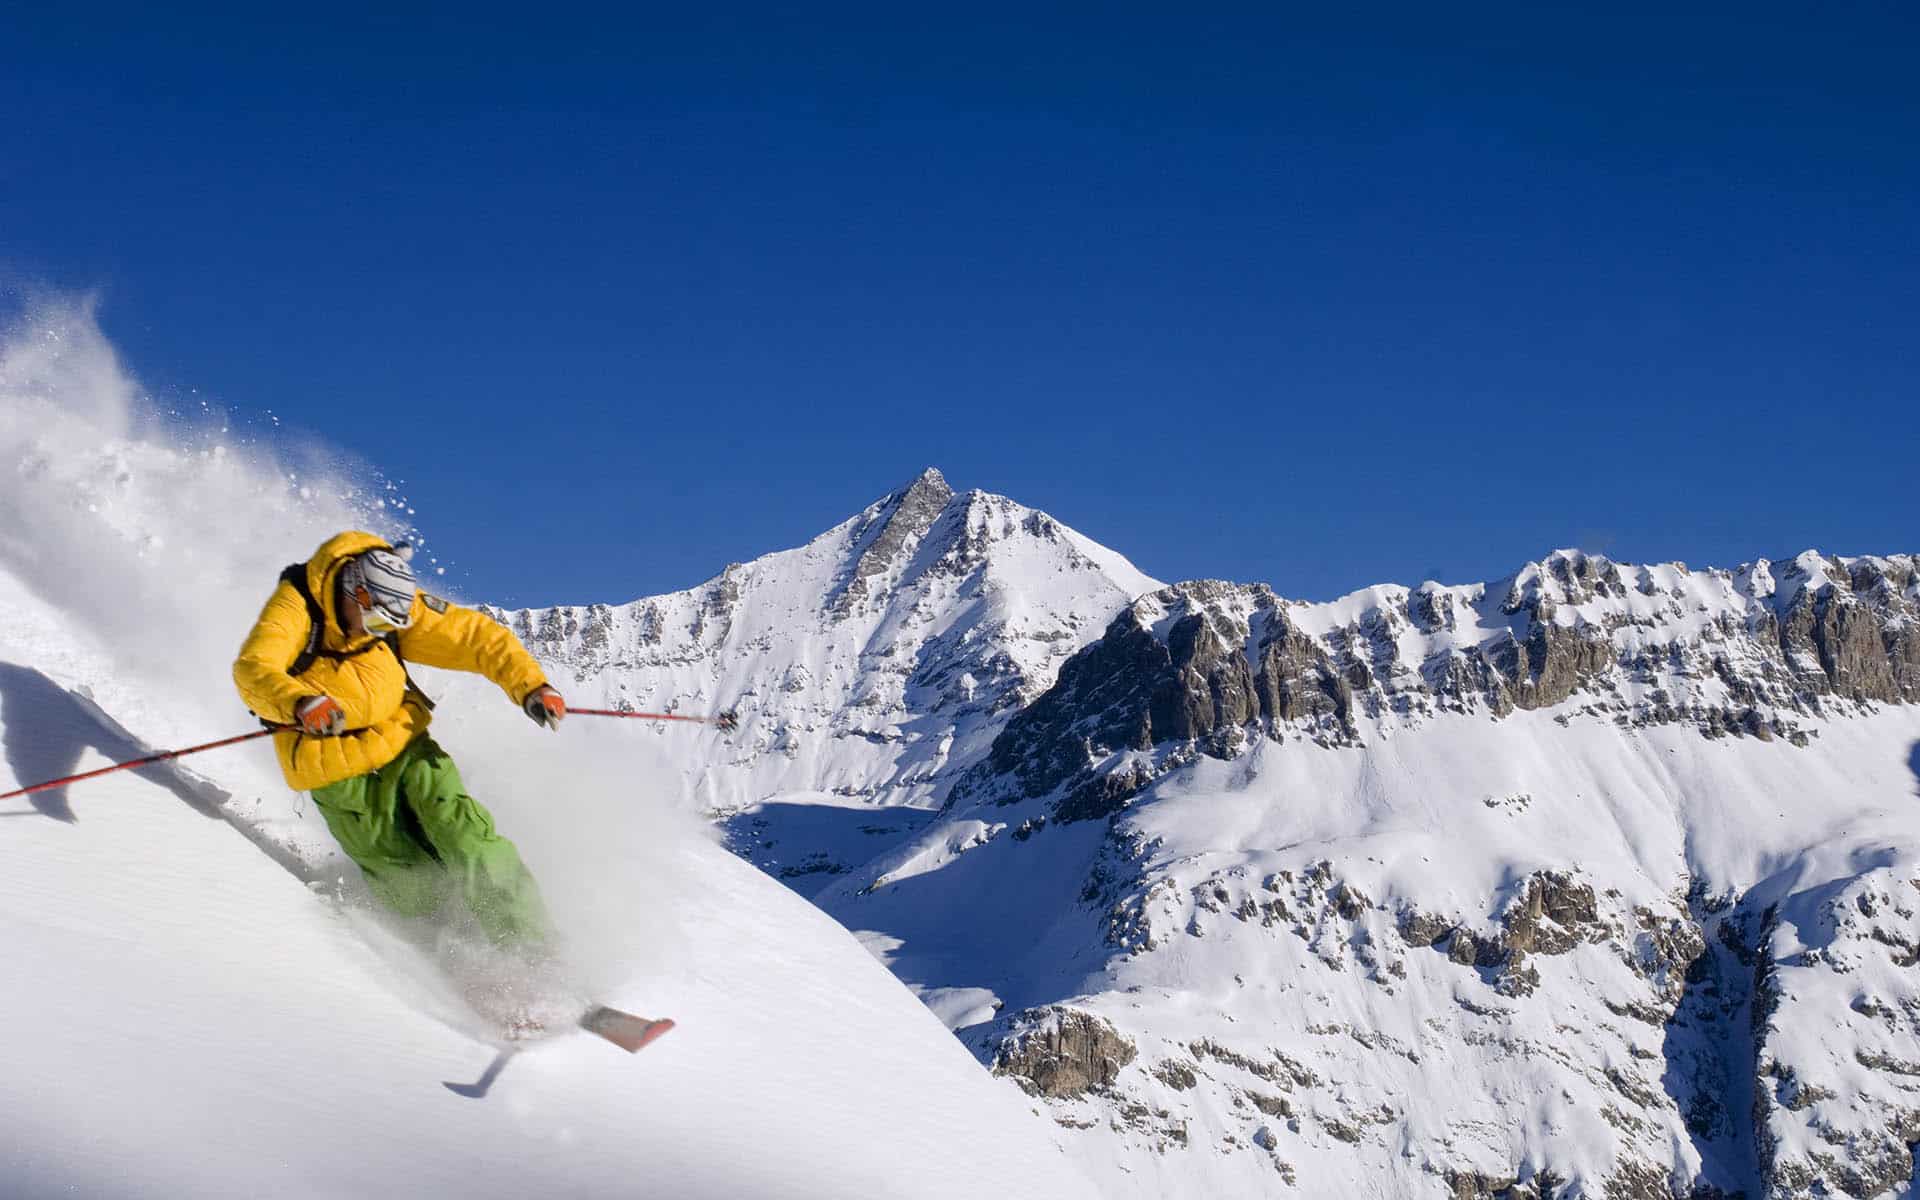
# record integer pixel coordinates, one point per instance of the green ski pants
(421, 841)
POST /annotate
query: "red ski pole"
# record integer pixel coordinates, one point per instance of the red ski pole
(726, 721)
(138, 762)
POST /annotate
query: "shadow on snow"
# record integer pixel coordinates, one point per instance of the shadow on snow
(48, 729)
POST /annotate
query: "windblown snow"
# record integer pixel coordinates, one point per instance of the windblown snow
(196, 1003)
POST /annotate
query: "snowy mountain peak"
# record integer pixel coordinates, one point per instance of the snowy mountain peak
(877, 660)
(1562, 577)
(888, 531)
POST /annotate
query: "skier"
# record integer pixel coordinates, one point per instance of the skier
(327, 659)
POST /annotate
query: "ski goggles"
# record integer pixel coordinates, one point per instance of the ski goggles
(383, 611)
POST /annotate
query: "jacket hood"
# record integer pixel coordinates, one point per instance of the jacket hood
(323, 569)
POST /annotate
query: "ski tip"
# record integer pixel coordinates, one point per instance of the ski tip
(625, 1030)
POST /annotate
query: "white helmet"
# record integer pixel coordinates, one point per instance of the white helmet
(382, 584)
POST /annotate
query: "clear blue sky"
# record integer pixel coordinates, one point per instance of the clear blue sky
(1274, 295)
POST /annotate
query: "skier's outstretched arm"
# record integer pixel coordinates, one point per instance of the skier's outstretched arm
(277, 638)
(456, 638)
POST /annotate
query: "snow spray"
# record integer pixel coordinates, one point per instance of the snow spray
(157, 530)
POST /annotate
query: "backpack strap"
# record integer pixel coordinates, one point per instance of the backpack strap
(296, 575)
(392, 641)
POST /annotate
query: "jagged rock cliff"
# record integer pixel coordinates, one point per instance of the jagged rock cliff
(1203, 666)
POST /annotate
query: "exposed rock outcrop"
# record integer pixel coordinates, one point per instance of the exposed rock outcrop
(1062, 1052)
(903, 520)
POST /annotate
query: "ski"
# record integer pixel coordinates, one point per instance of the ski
(623, 1029)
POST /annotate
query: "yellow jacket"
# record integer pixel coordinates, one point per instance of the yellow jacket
(370, 685)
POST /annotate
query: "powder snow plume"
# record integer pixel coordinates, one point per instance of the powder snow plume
(158, 534)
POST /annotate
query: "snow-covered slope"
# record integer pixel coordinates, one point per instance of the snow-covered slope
(186, 1019)
(1496, 952)
(1605, 884)
(196, 1004)
(1548, 885)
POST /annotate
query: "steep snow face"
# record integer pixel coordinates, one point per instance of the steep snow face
(1466, 891)
(239, 1034)
(1464, 956)
(222, 1007)
(870, 666)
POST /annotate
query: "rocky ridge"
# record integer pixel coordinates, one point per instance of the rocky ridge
(1198, 668)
